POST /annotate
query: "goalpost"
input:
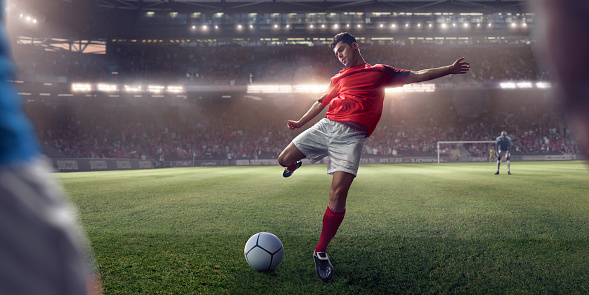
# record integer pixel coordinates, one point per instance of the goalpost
(460, 150)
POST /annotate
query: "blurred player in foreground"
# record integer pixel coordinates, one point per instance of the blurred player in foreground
(355, 98)
(502, 145)
(563, 35)
(42, 250)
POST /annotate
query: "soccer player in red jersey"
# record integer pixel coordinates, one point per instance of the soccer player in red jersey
(355, 98)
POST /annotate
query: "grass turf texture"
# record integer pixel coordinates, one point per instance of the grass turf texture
(409, 229)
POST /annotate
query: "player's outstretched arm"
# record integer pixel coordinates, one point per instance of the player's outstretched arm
(315, 110)
(458, 67)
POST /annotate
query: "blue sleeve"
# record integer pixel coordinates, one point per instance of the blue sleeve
(18, 141)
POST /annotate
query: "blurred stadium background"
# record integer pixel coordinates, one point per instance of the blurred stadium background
(130, 84)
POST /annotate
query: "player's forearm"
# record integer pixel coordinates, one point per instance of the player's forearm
(428, 74)
(315, 110)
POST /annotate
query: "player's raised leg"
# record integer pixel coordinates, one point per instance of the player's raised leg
(290, 158)
(332, 219)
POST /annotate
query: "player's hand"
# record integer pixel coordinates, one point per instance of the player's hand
(292, 125)
(460, 66)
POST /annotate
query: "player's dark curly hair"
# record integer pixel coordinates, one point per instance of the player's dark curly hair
(345, 37)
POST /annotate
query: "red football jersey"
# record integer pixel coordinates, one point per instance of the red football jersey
(358, 93)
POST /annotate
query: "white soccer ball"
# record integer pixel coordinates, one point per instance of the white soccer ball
(263, 251)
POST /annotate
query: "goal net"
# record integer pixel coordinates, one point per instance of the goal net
(466, 151)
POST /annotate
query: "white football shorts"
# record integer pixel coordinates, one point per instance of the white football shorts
(343, 144)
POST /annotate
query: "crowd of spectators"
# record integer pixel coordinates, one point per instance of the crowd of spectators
(242, 128)
(239, 65)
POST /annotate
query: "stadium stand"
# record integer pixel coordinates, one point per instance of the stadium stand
(230, 64)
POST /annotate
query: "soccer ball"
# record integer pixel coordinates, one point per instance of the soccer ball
(263, 251)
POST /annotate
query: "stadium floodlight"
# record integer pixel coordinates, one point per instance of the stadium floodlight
(103, 87)
(543, 85)
(81, 87)
(283, 89)
(524, 84)
(175, 89)
(309, 88)
(444, 26)
(381, 26)
(412, 88)
(507, 85)
(393, 26)
(133, 89)
(155, 88)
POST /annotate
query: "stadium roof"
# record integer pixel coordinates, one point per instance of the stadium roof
(278, 5)
(301, 5)
(98, 18)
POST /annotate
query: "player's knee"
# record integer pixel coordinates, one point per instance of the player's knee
(337, 194)
(282, 160)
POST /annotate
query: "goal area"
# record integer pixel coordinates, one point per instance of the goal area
(465, 151)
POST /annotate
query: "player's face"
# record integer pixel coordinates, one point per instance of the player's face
(346, 54)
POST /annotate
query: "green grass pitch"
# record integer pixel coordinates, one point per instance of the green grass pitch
(409, 229)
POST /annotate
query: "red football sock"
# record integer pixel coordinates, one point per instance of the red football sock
(291, 167)
(331, 222)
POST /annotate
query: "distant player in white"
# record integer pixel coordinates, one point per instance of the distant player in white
(502, 147)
